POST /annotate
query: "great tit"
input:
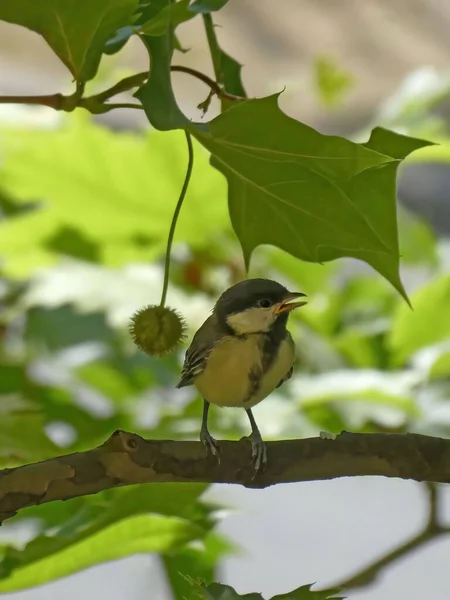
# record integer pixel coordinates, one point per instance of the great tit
(241, 353)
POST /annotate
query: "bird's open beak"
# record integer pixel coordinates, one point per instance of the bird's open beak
(287, 303)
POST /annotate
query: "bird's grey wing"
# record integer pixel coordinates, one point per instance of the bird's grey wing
(198, 352)
(291, 370)
(287, 376)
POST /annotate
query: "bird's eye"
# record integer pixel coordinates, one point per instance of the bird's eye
(264, 303)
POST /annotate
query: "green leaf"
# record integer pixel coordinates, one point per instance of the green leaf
(23, 437)
(118, 41)
(440, 152)
(359, 348)
(58, 328)
(218, 591)
(156, 95)
(12, 378)
(427, 324)
(170, 16)
(369, 395)
(305, 593)
(331, 81)
(9, 208)
(123, 199)
(440, 369)
(56, 405)
(107, 379)
(71, 242)
(317, 197)
(174, 500)
(417, 239)
(154, 18)
(76, 31)
(98, 519)
(207, 6)
(231, 75)
(63, 556)
(198, 561)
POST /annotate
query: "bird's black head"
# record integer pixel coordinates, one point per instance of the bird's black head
(255, 306)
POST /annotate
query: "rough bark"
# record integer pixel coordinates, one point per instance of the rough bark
(126, 459)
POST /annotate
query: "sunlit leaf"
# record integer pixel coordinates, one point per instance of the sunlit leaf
(62, 556)
(370, 395)
(427, 324)
(440, 369)
(76, 31)
(417, 240)
(332, 82)
(126, 190)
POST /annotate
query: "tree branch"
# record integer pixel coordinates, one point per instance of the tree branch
(432, 530)
(127, 459)
(55, 101)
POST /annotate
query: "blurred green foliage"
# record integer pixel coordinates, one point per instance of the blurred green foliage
(332, 82)
(70, 374)
(84, 216)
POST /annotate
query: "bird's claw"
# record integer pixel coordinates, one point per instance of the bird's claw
(259, 453)
(211, 444)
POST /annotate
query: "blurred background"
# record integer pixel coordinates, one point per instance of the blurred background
(85, 207)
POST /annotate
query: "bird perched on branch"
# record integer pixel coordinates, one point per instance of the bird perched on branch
(241, 353)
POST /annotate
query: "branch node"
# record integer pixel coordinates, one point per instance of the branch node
(121, 440)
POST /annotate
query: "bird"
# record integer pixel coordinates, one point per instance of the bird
(241, 353)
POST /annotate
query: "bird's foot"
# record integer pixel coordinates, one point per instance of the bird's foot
(259, 452)
(211, 444)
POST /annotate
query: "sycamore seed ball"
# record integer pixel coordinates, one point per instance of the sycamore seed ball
(156, 330)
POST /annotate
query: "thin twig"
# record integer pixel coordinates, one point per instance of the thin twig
(432, 530)
(215, 87)
(107, 107)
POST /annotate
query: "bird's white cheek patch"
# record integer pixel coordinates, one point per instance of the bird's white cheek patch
(252, 320)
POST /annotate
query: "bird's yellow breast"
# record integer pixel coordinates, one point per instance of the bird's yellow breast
(226, 381)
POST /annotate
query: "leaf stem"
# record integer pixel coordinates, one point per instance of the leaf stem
(122, 86)
(215, 87)
(100, 109)
(175, 216)
(214, 48)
